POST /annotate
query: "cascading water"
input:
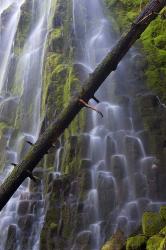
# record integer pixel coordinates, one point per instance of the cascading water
(121, 172)
(21, 220)
(122, 176)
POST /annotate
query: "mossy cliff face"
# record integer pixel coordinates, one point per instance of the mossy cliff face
(151, 43)
(153, 115)
(150, 65)
(60, 83)
(149, 111)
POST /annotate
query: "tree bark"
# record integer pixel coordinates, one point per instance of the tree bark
(109, 64)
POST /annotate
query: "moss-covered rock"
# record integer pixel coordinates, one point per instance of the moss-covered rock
(137, 242)
(163, 212)
(152, 223)
(163, 232)
(154, 242)
(162, 245)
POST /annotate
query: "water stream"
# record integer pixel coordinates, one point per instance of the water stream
(120, 169)
(21, 220)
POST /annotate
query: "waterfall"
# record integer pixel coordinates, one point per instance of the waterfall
(122, 175)
(21, 63)
(120, 169)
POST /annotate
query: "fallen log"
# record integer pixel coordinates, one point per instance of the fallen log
(49, 137)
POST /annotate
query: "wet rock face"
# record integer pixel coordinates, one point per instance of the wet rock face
(85, 174)
(153, 114)
(133, 152)
(106, 194)
(141, 185)
(81, 71)
(64, 215)
(118, 166)
(84, 145)
(23, 207)
(110, 149)
(11, 242)
(8, 106)
(25, 223)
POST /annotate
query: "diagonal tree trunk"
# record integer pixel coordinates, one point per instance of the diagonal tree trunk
(109, 64)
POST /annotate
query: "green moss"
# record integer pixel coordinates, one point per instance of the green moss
(151, 223)
(137, 242)
(154, 242)
(162, 245)
(53, 226)
(55, 40)
(159, 41)
(59, 84)
(163, 212)
(163, 232)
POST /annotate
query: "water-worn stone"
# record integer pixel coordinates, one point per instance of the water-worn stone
(106, 193)
(23, 207)
(11, 241)
(152, 223)
(36, 196)
(133, 152)
(140, 185)
(118, 166)
(122, 223)
(110, 149)
(25, 223)
(85, 164)
(84, 145)
(154, 242)
(137, 242)
(86, 178)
